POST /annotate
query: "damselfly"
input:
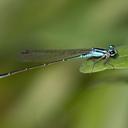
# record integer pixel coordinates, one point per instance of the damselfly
(51, 56)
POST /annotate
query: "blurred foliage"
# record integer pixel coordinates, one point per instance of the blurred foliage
(59, 96)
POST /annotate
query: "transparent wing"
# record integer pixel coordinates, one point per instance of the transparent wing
(49, 56)
(41, 58)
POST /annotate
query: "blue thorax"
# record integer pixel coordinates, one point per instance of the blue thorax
(94, 53)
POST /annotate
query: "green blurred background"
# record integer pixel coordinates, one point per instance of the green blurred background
(59, 96)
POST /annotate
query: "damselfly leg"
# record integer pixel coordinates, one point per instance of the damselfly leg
(107, 62)
(96, 61)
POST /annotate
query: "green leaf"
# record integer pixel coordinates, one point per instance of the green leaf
(119, 63)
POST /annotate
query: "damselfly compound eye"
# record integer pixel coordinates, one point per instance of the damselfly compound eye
(112, 51)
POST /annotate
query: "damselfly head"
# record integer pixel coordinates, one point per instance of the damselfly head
(113, 51)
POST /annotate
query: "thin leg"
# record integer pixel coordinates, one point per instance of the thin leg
(95, 62)
(107, 62)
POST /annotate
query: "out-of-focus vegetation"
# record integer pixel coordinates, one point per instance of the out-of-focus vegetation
(59, 96)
